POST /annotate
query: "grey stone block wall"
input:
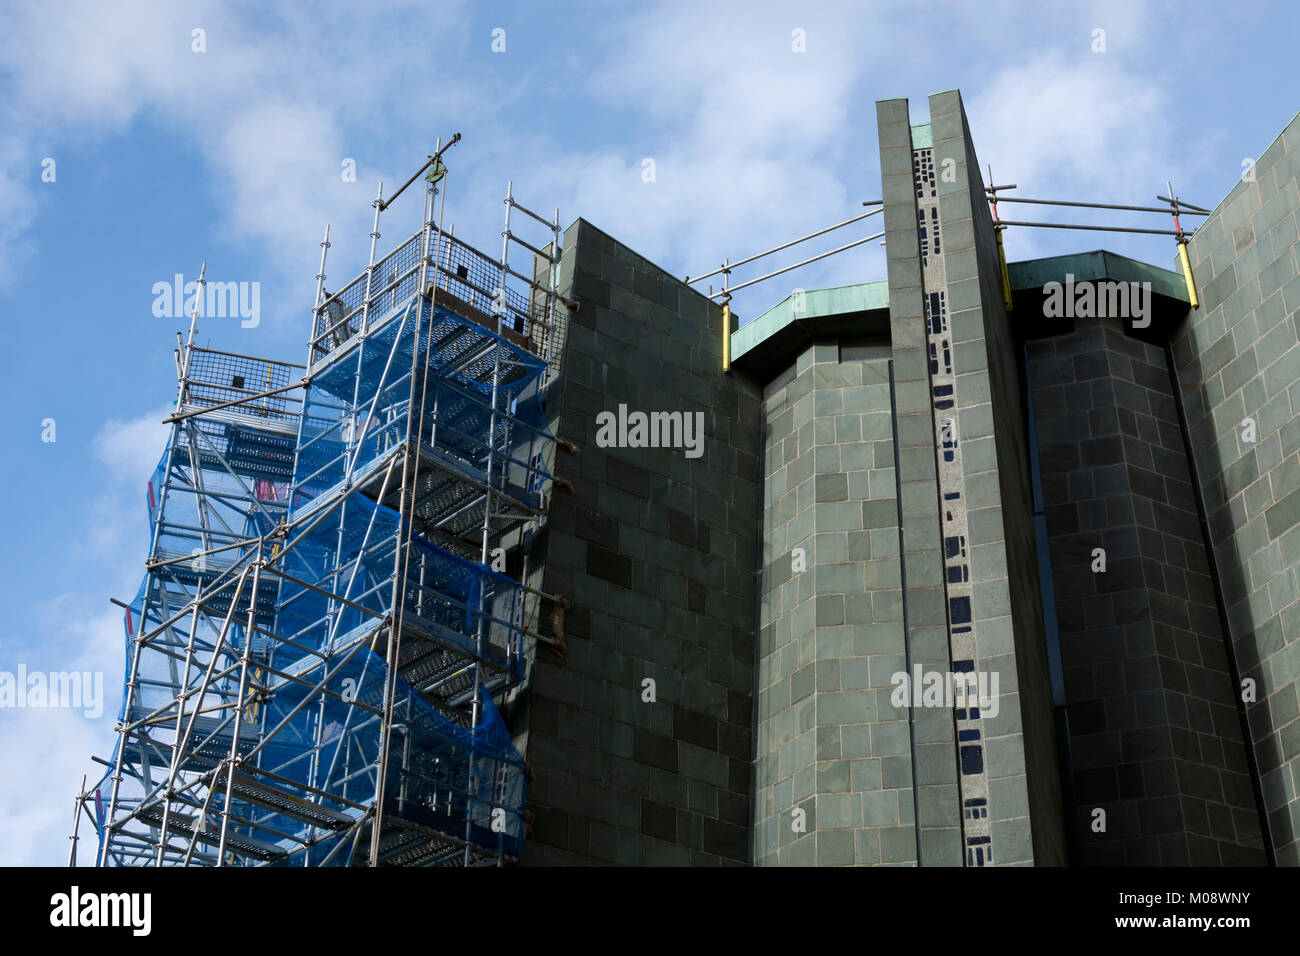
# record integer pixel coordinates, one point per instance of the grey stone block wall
(1155, 734)
(1238, 357)
(833, 767)
(970, 573)
(658, 553)
(1020, 747)
(924, 599)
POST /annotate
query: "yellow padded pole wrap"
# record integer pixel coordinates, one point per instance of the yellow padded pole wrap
(1002, 267)
(1187, 275)
(726, 337)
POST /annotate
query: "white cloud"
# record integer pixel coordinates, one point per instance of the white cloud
(744, 130)
(53, 746)
(747, 137)
(1073, 128)
(115, 520)
(130, 449)
(78, 632)
(265, 105)
(19, 176)
(1051, 121)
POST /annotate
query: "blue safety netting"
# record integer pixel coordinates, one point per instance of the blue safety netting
(352, 552)
(311, 757)
(309, 745)
(358, 405)
(317, 730)
(214, 507)
(465, 783)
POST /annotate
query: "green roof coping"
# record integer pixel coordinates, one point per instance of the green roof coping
(1095, 266)
(857, 297)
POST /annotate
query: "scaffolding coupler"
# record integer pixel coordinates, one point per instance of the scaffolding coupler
(434, 160)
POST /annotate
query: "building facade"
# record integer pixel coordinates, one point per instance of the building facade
(1091, 514)
(974, 564)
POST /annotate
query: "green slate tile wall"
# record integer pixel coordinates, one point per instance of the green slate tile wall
(1238, 357)
(833, 769)
(658, 553)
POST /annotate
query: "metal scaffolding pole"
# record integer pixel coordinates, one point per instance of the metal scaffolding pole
(411, 460)
(786, 245)
(77, 806)
(370, 262)
(239, 709)
(266, 732)
(1063, 225)
(1090, 205)
(180, 718)
(776, 272)
(132, 684)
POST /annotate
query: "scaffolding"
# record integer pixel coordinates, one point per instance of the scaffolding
(1176, 207)
(727, 266)
(317, 655)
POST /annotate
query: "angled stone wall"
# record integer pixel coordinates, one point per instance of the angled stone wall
(658, 553)
(1238, 358)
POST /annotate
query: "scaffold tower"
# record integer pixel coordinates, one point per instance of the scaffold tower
(325, 633)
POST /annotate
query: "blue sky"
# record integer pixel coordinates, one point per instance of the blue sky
(166, 157)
